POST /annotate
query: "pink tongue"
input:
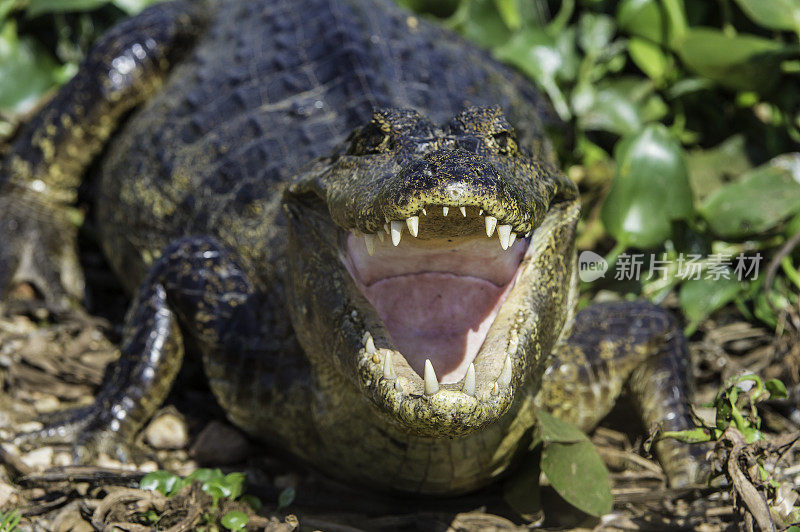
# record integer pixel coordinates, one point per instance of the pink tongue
(439, 316)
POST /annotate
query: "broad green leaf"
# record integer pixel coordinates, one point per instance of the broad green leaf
(738, 61)
(235, 520)
(26, 71)
(700, 297)
(6, 7)
(650, 189)
(649, 57)
(552, 429)
(205, 475)
(545, 59)
(776, 389)
(41, 7)
(644, 18)
(710, 169)
(595, 32)
(577, 473)
(161, 481)
(773, 14)
(606, 109)
(758, 201)
(480, 22)
(509, 12)
(522, 491)
(286, 497)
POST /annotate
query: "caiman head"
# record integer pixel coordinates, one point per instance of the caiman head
(432, 267)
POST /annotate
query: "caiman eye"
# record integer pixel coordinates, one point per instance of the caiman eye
(372, 138)
(504, 142)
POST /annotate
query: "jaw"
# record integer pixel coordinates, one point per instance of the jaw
(436, 294)
(485, 317)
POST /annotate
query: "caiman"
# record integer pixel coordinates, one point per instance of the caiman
(354, 218)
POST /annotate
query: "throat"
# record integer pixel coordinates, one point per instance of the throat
(436, 301)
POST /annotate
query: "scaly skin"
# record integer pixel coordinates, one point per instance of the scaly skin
(264, 133)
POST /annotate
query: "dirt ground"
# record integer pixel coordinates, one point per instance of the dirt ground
(49, 362)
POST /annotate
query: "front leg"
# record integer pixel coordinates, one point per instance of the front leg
(198, 291)
(638, 344)
(40, 175)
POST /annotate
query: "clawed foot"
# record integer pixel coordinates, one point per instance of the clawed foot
(38, 247)
(89, 437)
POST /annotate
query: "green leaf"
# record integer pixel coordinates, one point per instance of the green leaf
(650, 189)
(773, 14)
(759, 201)
(522, 491)
(235, 482)
(701, 297)
(649, 57)
(776, 389)
(286, 497)
(738, 61)
(643, 18)
(41, 7)
(555, 430)
(544, 59)
(595, 32)
(606, 109)
(509, 12)
(711, 169)
(480, 22)
(204, 475)
(26, 71)
(235, 520)
(577, 473)
(163, 482)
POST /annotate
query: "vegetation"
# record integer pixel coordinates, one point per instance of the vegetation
(679, 121)
(744, 455)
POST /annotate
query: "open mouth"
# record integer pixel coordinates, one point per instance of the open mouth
(437, 282)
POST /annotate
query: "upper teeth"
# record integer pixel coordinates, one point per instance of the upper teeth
(395, 229)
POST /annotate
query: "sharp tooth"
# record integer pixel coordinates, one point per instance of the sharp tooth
(388, 369)
(413, 225)
(504, 232)
(431, 384)
(512, 239)
(480, 212)
(424, 212)
(491, 222)
(398, 385)
(369, 345)
(505, 374)
(463, 211)
(397, 231)
(380, 235)
(469, 381)
(369, 240)
(445, 210)
(495, 388)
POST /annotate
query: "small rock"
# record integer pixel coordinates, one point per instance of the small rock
(47, 404)
(61, 459)
(41, 457)
(220, 444)
(167, 431)
(8, 495)
(29, 426)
